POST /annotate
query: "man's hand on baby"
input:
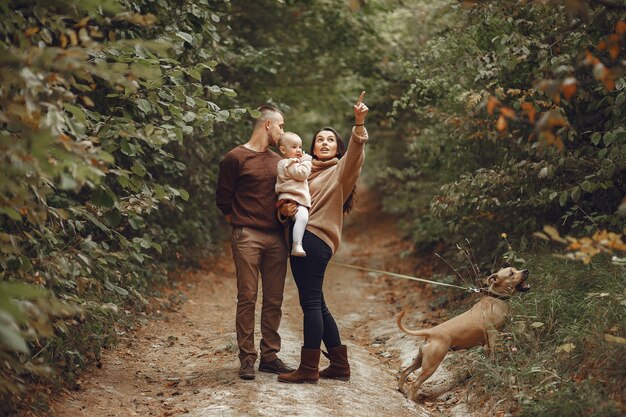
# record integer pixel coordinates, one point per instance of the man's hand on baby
(288, 209)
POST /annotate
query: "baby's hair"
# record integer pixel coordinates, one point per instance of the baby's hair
(284, 136)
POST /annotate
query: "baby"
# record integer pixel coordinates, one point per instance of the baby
(292, 184)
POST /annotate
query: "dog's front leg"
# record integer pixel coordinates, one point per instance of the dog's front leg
(490, 343)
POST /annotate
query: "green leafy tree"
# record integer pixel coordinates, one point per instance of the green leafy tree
(504, 123)
(94, 97)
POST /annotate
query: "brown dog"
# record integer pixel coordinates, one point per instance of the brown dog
(477, 326)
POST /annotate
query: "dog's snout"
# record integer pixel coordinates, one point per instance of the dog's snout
(525, 272)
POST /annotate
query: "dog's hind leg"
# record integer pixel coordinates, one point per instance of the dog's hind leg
(432, 353)
(417, 362)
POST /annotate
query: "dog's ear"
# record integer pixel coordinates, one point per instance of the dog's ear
(492, 279)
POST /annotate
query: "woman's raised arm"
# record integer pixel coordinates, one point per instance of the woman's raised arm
(350, 164)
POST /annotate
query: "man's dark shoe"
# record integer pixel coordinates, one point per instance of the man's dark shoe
(246, 370)
(275, 367)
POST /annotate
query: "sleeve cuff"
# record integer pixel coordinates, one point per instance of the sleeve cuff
(359, 138)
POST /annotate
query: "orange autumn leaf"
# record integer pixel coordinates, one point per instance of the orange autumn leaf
(620, 27)
(88, 102)
(605, 75)
(549, 120)
(508, 112)
(73, 38)
(609, 84)
(614, 45)
(549, 137)
(31, 31)
(574, 246)
(543, 85)
(559, 143)
(556, 122)
(141, 19)
(64, 40)
(492, 102)
(569, 87)
(590, 59)
(530, 111)
(82, 22)
(601, 45)
(501, 125)
(95, 33)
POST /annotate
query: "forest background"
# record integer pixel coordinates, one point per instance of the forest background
(496, 126)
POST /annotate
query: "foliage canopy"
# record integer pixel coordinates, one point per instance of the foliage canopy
(489, 117)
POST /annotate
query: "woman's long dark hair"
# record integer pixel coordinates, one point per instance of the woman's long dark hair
(341, 150)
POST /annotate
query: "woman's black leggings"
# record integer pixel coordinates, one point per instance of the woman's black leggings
(308, 273)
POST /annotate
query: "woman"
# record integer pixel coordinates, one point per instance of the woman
(331, 184)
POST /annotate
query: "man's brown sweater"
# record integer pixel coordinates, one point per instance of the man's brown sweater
(245, 188)
(330, 185)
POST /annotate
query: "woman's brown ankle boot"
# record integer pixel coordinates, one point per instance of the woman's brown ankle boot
(308, 371)
(339, 367)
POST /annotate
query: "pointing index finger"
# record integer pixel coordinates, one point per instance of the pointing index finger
(360, 100)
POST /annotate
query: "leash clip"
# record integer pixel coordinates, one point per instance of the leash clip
(470, 289)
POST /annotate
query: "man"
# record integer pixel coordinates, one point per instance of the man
(246, 196)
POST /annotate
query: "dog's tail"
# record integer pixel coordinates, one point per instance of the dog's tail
(423, 333)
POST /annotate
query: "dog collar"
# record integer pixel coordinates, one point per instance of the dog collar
(493, 294)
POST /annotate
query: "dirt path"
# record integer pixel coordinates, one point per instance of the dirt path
(185, 363)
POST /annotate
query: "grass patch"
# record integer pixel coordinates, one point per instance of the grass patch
(555, 359)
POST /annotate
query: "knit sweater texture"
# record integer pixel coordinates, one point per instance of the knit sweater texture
(330, 185)
(245, 188)
(291, 182)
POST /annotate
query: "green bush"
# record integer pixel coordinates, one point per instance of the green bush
(478, 179)
(90, 108)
